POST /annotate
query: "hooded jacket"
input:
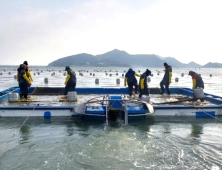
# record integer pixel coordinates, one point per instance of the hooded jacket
(130, 77)
(143, 80)
(197, 80)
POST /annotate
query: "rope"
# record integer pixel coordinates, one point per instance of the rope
(205, 112)
(17, 130)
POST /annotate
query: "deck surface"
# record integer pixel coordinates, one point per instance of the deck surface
(61, 100)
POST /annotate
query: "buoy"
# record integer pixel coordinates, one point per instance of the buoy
(198, 93)
(151, 75)
(13, 97)
(110, 75)
(93, 74)
(122, 75)
(38, 73)
(0, 73)
(72, 96)
(106, 74)
(182, 74)
(15, 76)
(117, 81)
(176, 79)
(90, 74)
(97, 81)
(116, 73)
(64, 74)
(148, 79)
(210, 75)
(34, 74)
(158, 73)
(46, 80)
(9, 73)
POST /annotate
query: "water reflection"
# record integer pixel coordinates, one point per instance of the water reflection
(196, 130)
(25, 133)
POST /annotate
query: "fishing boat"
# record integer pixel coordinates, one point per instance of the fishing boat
(106, 103)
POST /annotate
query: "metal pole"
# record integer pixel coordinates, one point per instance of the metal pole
(126, 114)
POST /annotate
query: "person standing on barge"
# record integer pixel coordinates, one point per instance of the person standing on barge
(70, 82)
(131, 80)
(29, 75)
(24, 81)
(143, 87)
(166, 79)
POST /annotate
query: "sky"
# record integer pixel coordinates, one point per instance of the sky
(45, 30)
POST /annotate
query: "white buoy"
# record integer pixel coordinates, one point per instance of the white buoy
(198, 93)
(13, 97)
(117, 81)
(176, 79)
(72, 96)
(148, 79)
(97, 81)
(46, 80)
(145, 98)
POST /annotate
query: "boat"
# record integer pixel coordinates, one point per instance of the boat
(106, 103)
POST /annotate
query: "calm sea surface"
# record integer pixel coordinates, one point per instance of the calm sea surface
(68, 143)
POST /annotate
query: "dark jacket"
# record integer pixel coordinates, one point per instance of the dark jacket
(130, 77)
(168, 74)
(143, 80)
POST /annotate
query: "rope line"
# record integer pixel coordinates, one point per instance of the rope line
(205, 112)
(17, 130)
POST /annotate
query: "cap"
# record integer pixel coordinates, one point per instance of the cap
(25, 62)
(67, 68)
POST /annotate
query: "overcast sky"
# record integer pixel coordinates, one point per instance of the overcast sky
(41, 31)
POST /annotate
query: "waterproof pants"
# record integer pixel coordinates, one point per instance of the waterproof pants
(70, 86)
(130, 87)
(166, 84)
(24, 89)
(143, 92)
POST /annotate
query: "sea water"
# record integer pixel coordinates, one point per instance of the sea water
(69, 143)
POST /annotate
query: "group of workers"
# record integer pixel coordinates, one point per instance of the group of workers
(25, 80)
(142, 88)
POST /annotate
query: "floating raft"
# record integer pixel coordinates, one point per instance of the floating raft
(106, 103)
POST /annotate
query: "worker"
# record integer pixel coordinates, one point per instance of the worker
(28, 71)
(197, 80)
(70, 82)
(166, 79)
(143, 87)
(131, 80)
(24, 81)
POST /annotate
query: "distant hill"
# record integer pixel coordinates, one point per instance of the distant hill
(117, 58)
(213, 65)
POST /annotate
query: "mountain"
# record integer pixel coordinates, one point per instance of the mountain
(213, 65)
(194, 65)
(119, 59)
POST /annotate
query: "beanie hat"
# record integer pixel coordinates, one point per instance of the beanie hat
(67, 68)
(148, 72)
(25, 62)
